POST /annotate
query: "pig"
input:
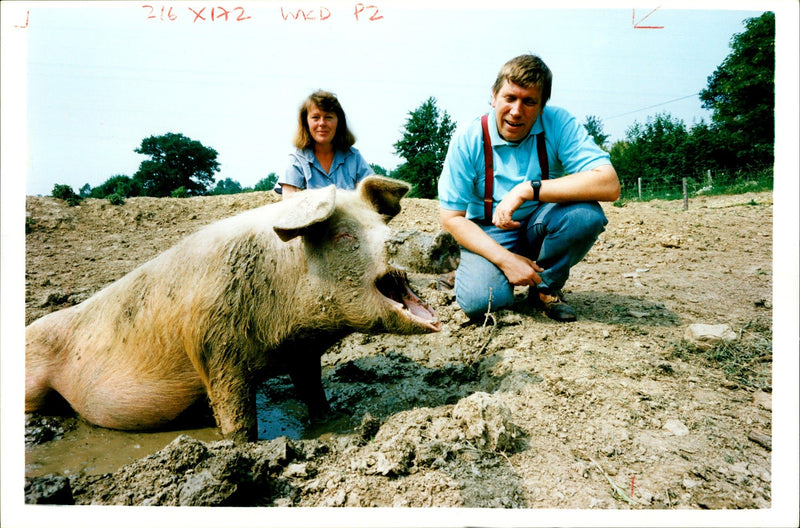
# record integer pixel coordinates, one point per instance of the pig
(256, 295)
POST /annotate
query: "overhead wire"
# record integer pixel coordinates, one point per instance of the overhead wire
(651, 106)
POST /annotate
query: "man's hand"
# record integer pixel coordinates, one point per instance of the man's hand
(502, 216)
(519, 270)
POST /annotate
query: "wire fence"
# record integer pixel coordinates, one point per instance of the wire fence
(728, 181)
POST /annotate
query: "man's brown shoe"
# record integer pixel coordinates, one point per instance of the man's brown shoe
(553, 306)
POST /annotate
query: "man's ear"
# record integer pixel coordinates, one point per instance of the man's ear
(308, 208)
(383, 194)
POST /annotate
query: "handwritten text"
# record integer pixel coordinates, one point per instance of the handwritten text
(361, 12)
(202, 14)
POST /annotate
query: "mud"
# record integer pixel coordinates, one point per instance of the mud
(614, 411)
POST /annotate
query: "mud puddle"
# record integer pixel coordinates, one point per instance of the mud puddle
(88, 450)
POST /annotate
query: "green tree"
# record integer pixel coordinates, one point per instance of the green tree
(268, 183)
(424, 147)
(654, 151)
(175, 161)
(594, 127)
(741, 93)
(123, 185)
(377, 169)
(227, 186)
(65, 192)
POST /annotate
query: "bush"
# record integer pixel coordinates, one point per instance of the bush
(180, 192)
(115, 199)
(65, 192)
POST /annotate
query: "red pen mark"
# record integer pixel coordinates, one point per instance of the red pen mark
(633, 479)
(637, 25)
(241, 16)
(217, 13)
(197, 15)
(27, 19)
(360, 9)
(164, 11)
(323, 13)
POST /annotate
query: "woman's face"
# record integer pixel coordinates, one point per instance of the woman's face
(321, 125)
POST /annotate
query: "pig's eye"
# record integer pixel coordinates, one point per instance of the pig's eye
(345, 237)
(340, 236)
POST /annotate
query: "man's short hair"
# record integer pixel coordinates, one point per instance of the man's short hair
(526, 71)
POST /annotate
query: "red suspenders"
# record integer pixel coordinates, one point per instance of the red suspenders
(488, 200)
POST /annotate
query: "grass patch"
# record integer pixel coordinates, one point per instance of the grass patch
(746, 361)
(739, 182)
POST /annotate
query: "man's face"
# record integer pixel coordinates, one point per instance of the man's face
(517, 109)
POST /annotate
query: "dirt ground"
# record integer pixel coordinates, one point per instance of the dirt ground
(614, 411)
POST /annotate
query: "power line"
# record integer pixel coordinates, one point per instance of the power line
(651, 106)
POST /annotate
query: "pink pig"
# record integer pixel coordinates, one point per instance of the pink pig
(256, 295)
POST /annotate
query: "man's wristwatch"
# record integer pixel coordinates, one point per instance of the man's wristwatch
(536, 185)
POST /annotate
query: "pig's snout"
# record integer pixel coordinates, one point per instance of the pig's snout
(395, 289)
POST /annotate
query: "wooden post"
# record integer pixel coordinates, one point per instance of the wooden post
(685, 196)
(640, 189)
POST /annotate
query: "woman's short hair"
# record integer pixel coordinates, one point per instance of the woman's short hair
(526, 71)
(327, 102)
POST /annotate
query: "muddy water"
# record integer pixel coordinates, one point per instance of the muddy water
(93, 450)
(90, 450)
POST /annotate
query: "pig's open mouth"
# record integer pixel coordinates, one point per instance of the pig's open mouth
(394, 286)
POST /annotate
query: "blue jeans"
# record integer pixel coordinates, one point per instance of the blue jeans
(556, 236)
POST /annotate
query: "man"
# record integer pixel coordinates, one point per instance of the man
(540, 226)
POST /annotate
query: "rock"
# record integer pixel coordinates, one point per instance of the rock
(762, 439)
(369, 427)
(763, 400)
(49, 489)
(422, 252)
(204, 489)
(671, 241)
(676, 427)
(706, 336)
(486, 420)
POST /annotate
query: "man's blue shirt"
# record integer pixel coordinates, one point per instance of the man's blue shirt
(305, 172)
(570, 149)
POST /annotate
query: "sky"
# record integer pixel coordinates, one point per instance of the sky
(101, 77)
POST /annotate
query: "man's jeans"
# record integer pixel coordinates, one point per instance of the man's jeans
(556, 236)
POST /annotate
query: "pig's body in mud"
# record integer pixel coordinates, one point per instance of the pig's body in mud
(259, 294)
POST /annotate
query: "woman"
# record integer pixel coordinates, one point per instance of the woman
(325, 153)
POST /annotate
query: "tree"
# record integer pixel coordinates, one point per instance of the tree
(120, 184)
(65, 192)
(175, 161)
(654, 151)
(227, 186)
(268, 183)
(377, 169)
(594, 127)
(741, 93)
(424, 147)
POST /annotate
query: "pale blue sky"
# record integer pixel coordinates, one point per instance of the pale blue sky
(101, 78)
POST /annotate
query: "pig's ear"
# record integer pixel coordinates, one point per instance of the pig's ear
(383, 193)
(307, 209)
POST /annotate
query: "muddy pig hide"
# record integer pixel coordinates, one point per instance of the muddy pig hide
(252, 296)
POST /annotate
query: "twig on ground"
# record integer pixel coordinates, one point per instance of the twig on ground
(618, 492)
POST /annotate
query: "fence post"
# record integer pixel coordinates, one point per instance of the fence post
(640, 189)
(685, 196)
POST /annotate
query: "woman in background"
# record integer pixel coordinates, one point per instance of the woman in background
(324, 152)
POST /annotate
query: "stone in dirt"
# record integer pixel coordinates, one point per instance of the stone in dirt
(706, 336)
